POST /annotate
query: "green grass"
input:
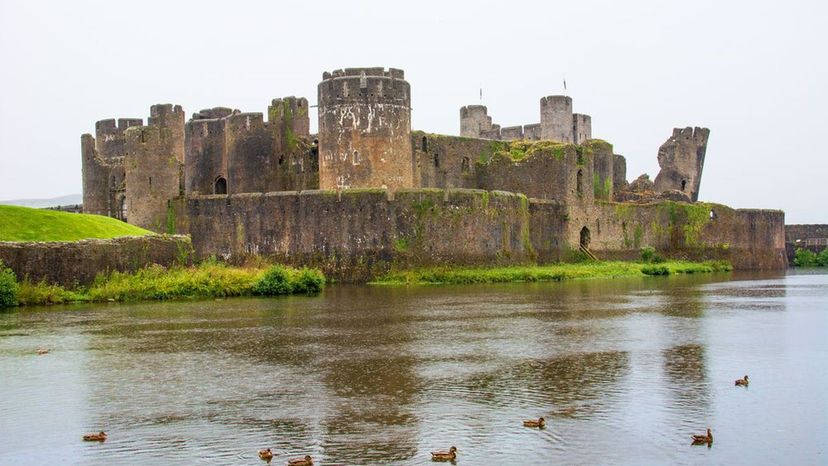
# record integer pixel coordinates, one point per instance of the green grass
(555, 272)
(210, 279)
(26, 224)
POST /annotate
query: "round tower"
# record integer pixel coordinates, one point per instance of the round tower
(365, 129)
(556, 118)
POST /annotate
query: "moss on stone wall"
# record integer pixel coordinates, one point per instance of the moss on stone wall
(601, 188)
(520, 150)
(691, 218)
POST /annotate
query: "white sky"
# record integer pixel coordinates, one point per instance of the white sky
(754, 72)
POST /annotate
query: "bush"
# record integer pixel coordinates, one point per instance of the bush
(275, 281)
(8, 287)
(822, 258)
(655, 270)
(308, 281)
(805, 258)
(650, 256)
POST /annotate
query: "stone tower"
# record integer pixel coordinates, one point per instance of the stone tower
(365, 129)
(474, 121)
(681, 159)
(103, 167)
(556, 118)
(154, 166)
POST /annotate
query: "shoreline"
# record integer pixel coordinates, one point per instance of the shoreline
(545, 273)
(212, 279)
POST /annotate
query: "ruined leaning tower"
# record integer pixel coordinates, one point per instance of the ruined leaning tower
(365, 129)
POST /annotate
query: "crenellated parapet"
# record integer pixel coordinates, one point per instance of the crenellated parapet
(557, 123)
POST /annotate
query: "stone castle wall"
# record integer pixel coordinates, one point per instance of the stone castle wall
(356, 234)
(749, 238)
(79, 262)
(248, 154)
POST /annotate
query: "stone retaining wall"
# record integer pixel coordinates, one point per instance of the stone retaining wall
(78, 262)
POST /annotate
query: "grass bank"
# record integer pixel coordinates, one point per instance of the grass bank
(207, 280)
(540, 273)
(27, 224)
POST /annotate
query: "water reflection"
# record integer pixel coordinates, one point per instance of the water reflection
(383, 375)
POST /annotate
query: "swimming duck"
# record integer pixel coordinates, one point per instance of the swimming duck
(444, 455)
(266, 454)
(700, 439)
(743, 381)
(42, 351)
(99, 437)
(540, 422)
(306, 461)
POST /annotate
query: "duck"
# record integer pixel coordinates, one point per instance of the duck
(540, 422)
(266, 454)
(743, 381)
(99, 437)
(306, 461)
(449, 455)
(42, 351)
(700, 439)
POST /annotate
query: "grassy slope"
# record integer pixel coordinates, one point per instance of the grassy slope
(25, 224)
(555, 272)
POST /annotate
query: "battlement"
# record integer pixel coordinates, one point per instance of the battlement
(289, 113)
(213, 113)
(160, 110)
(291, 102)
(556, 101)
(113, 126)
(245, 121)
(511, 132)
(392, 73)
(470, 110)
(699, 135)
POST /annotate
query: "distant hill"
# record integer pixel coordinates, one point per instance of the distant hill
(28, 224)
(70, 199)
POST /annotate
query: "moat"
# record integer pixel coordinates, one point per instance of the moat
(623, 371)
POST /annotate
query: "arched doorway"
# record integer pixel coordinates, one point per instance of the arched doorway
(683, 184)
(220, 186)
(585, 238)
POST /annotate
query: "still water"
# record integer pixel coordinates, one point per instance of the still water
(624, 371)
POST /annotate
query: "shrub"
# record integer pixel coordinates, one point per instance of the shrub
(805, 258)
(274, 282)
(650, 256)
(308, 281)
(8, 287)
(822, 258)
(655, 270)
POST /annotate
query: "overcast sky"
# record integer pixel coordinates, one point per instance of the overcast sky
(754, 72)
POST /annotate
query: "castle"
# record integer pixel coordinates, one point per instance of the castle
(367, 193)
